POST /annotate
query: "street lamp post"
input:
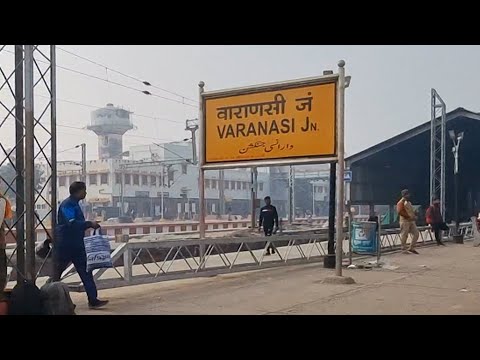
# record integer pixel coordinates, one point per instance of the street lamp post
(84, 161)
(192, 126)
(313, 199)
(162, 193)
(456, 139)
(253, 194)
(83, 176)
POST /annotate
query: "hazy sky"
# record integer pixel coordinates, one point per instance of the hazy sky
(389, 91)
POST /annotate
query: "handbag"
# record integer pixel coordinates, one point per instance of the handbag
(97, 248)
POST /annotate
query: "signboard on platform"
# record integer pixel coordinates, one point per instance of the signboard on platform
(282, 121)
(347, 177)
(296, 122)
(364, 237)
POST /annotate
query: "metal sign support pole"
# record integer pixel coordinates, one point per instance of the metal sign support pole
(201, 173)
(379, 239)
(340, 168)
(340, 185)
(350, 234)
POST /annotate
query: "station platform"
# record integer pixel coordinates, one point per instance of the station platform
(440, 280)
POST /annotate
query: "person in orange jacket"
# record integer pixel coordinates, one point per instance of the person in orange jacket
(407, 223)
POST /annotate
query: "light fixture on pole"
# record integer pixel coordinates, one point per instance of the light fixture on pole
(84, 161)
(192, 126)
(456, 139)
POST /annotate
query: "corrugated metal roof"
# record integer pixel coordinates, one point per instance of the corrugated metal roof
(458, 112)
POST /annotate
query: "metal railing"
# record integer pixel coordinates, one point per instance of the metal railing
(141, 262)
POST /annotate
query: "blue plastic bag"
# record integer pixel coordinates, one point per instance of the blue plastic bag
(98, 251)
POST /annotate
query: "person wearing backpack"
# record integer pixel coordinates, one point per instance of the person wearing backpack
(69, 246)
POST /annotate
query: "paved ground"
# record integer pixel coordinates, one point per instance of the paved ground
(442, 280)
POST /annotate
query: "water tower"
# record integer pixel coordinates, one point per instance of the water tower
(110, 123)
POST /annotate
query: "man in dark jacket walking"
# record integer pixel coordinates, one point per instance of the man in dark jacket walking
(69, 247)
(269, 221)
(435, 220)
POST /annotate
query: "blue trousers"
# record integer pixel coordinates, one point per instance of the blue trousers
(63, 255)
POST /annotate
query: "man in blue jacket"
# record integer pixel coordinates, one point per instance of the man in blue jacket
(69, 246)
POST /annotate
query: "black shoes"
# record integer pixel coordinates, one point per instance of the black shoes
(97, 304)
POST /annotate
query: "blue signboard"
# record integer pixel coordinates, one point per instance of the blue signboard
(347, 177)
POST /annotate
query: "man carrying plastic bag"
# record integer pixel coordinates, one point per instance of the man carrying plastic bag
(69, 244)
